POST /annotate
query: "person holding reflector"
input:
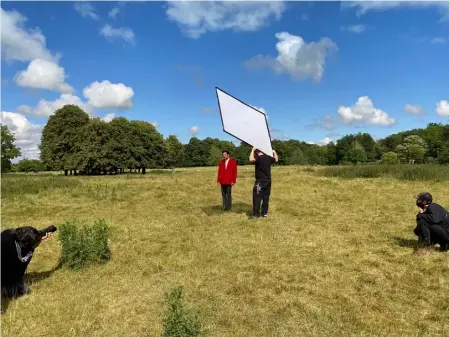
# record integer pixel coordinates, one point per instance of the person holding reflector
(262, 186)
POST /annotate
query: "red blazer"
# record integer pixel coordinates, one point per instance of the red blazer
(227, 176)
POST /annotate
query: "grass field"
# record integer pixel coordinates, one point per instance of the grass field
(334, 258)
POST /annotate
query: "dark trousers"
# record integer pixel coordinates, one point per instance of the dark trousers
(432, 234)
(226, 195)
(261, 193)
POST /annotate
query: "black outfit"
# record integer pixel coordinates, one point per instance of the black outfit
(226, 194)
(14, 263)
(262, 186)
(432, 226)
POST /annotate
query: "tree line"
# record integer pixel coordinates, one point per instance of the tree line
(77, 144)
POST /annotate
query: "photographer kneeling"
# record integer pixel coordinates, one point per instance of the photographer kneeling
(432, 223)
(17, 249)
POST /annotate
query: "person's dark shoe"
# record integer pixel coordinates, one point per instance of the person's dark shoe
(444, 248)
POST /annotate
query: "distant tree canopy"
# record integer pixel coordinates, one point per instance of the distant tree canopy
(8, 150)
(76, 143)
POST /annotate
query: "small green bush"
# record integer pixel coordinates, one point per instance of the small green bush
(82, 245)
(179, 321)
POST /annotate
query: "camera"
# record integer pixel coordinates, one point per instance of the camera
(49, 229)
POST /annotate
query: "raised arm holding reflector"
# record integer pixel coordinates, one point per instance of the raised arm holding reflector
(244, 122)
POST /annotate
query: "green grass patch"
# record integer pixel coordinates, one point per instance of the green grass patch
(15, 185)
(400, 172)
(82, 245)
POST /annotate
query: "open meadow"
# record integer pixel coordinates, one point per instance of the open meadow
(335, 257)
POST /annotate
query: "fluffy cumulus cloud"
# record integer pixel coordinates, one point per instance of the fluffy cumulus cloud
(364, 112)
(194, 130)
(442, 108)
(123, 33)
(86, 10)
(196, 18)
(109, 117)
(296, 57)
(322, 142)
(109, 95)
(413, 109)
(47, 108)
(27, 135)
(19, 43)
(43, 74)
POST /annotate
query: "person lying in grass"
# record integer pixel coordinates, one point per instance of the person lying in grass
(432, 223)
(17, 249)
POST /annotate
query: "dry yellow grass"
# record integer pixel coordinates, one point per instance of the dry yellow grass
(334, 258)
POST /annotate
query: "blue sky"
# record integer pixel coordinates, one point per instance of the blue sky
(318, 69)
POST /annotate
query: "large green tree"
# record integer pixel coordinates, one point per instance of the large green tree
(60, 137)
(175, 152)
(412, 150)
(9, 150)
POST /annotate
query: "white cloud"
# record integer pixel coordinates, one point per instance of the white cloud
(260, 109)
(413, 109)
(322, 142)
(296, 57)
(86, 10)
(442, 108)
(19, 43)
(364, 112)
(108, 95)
(194, 130)
(43, 74)
(124, 33)
(362, 7)
(47, 108)
(196, 18)
(114, 12)
(356, 29)
(109, 117)
(27, 135)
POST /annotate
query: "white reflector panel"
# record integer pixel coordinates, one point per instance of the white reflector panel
(244, 122)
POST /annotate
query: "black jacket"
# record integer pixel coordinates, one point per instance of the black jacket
(12, 268)
(434, 215)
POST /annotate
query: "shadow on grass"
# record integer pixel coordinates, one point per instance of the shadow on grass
(30, 279)
(407, 243)
(238, 208)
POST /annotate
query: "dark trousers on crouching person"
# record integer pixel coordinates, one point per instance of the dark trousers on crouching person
(226, 194)
(432, 234)
(261, 193)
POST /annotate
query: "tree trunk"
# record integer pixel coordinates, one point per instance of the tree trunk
(74, 172)
(66, 172)
(139, 170)
(144, 170)
(71, 172)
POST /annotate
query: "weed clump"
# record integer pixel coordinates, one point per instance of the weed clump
(82, 245)
(179, 321)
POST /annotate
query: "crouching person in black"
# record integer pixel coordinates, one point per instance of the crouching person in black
(17, 247)
(432, 223)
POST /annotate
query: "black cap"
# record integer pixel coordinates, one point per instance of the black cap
(424, 196)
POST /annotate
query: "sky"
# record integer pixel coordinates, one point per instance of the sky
(319, 70)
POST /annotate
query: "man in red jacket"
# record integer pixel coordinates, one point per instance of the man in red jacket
(227, 177)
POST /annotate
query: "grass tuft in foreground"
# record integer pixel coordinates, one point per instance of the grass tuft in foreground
(400, 172)
(179, 321)
(82, 245)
